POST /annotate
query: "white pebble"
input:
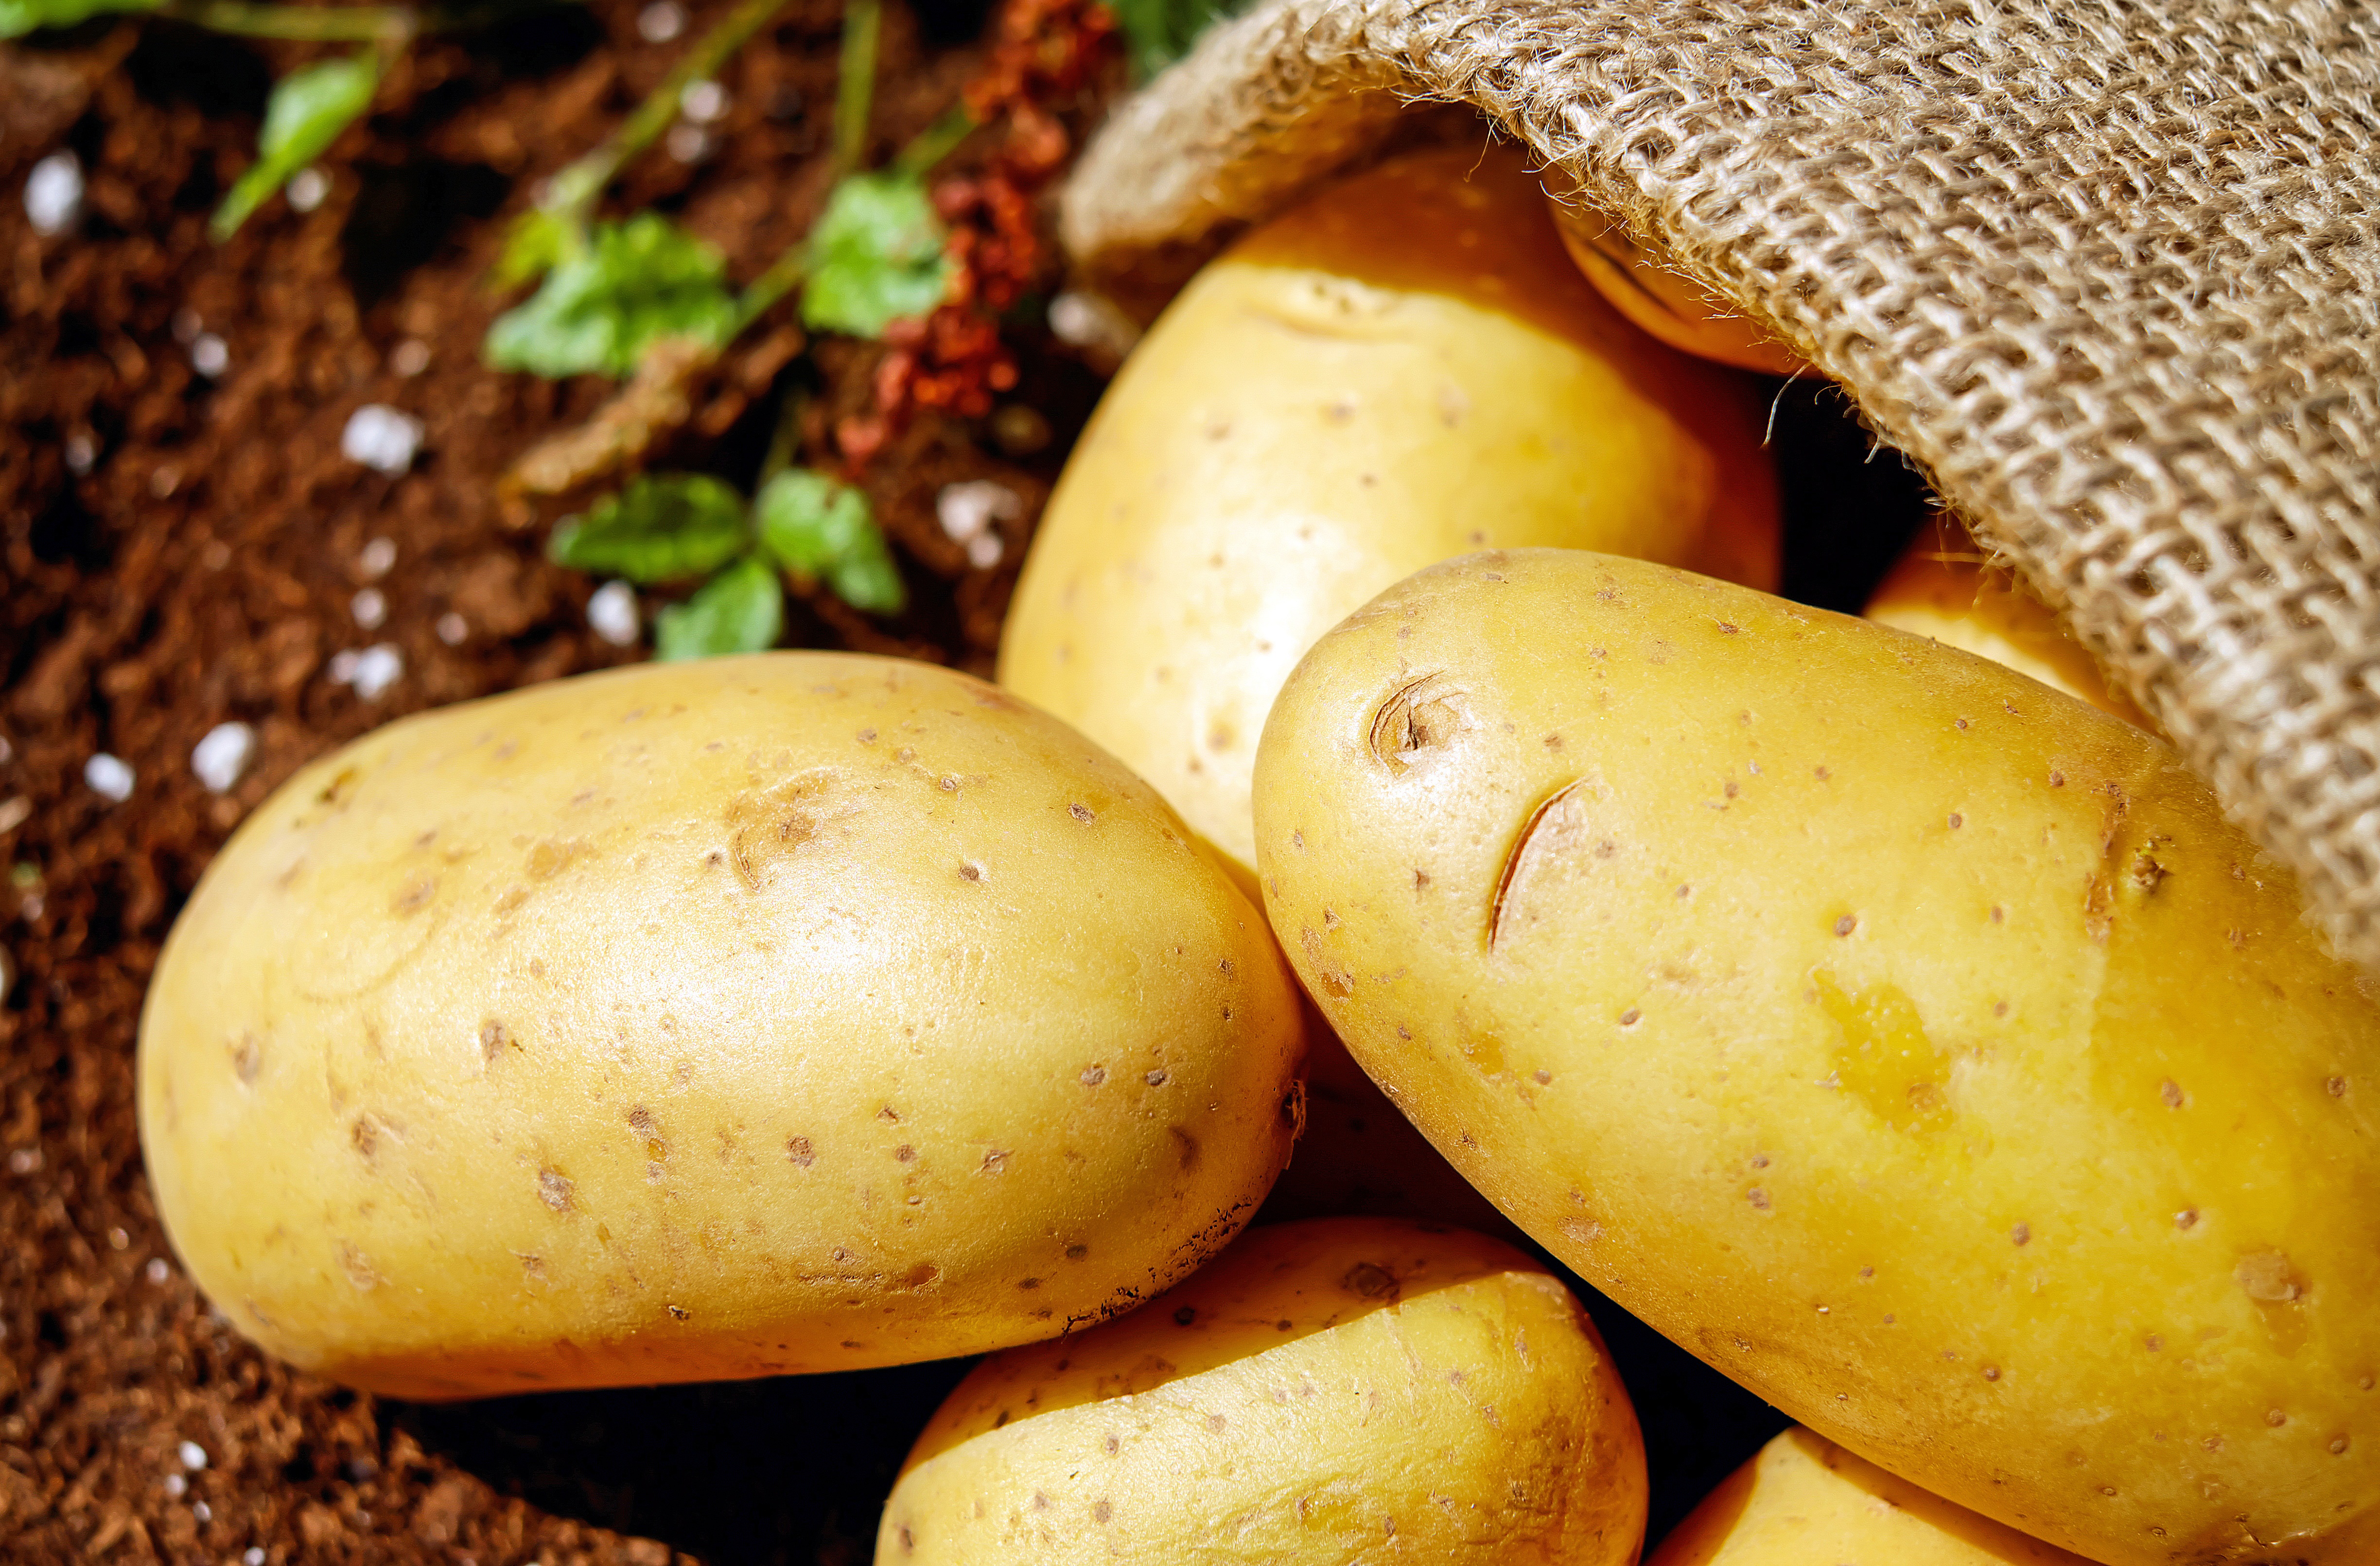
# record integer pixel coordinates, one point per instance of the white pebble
(82, 453)
(704, 103)
(965, 510)
(157, 1271)
(252, 1556)
(209, 356)
(370, 608)
(343, 666)
(688, 143)
(193, 1456)
(221, 758)
(306, 189)
(24, 1161)
(660, 21)
(1086, 321)
(453, 629)
(381, 438)
(409, 357)
(203, 1512)
(176, 1486)
(377, 668)
(15, 812)
(376, 559)
(984, 551)
(612, 613)
(108, 776)
(54, 193)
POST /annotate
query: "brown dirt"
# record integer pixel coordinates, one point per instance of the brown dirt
(201, 568)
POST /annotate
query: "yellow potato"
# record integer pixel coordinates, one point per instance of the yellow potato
(1671, 307)
(1941, 587)
(1404, 368)
(781, 1014)
(1919, 1046)
(1805, 1502)
(1345, 1389)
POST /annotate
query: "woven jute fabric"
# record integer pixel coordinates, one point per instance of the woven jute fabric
(2108, 272)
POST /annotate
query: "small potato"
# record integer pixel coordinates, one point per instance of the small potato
(792, 1013)
(1403, 368)
(1344, 1389)
(1942, 587)
(1919, 1046)
(1805, 1502)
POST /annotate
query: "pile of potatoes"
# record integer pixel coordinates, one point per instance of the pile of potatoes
(1394, 742)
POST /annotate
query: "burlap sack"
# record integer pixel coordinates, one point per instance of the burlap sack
(2107, 269)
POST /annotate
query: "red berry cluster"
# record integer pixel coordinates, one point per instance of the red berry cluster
(1045, 53)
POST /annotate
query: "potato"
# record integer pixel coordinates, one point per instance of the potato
(1919, 1046)
(791, 1013)
(1403, 368)
(1942, 587)
(1337, 1391)
(1667, 304)
(1805, 1502)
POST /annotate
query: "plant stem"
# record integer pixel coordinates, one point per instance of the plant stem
(783, 276)
(937, 141)
(572, 192)
(855, 88)
(784, 441)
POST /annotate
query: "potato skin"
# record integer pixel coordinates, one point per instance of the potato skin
(1403, 368)
(790, 1012)
(1327, 1392)
(1805, 1500)
(1917, 1045)
(1667, 304)
(1941, 587)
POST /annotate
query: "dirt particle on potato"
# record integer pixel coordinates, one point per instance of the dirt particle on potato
(1155, 1078)
(1957, 821)
(1185, 1316)
(2267, 1277)
(2336, 1087)
(1630, 1017)
(414, 895)
(2056, 780)
(994, 1162)
(555, 1189)
(2022, 1234)
(1543, 1076)
(971, 872)
(1028, 1283)
(1101, 1512)
(1992, 1372)
(889, 1114)
(2276, 1418)
(492, 1039)
(2170, 1092)
(246, 1058)
(2153, 1343)
(1094, 1075)
(1759, 1199)
(678, 1313)
(2337, 1446)
(903, 1153)
(1960, 723)
(1760, 1161)
(1076, 1253)
(1846, 923)
(798, 1153)
(2186, 1218)
(1081, 812)
(1370, 1281)
(1185, 1146)
(358, 1267)
(921, 1276)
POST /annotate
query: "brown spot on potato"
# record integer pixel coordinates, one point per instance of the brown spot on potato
(1413, 720)
(2170, 1092)
(2336, 1087)
(1551, 819)
(2186, 1218)
(246, 1059)
(1185, 1316)
(798, 1153)
(1335, 981)
(921, 1276)
(414, 895)
(2267, 1277)
(1185, 1147)
(678, 1313)
(364, 1135)
(492, 1039)
(1076, 1253)
(1846, 923)
(994, 1162)
(2022, 1234)
(1155, 1078)
(555, 1190)
(1101, 1512)
(1094, 1075)
(1759, 1199)
(1081, 812)
(971, 872)
(1370, 1281)
(358, 1267)
(903, 1153)
(1028, 1283)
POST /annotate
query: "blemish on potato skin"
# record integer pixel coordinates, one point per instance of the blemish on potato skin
(246, 1059)
(798, 1153)
(414, 896)
(556, 1190)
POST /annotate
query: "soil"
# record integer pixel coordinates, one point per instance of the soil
(183, 548)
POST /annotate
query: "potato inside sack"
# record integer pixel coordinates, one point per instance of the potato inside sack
(1673, 307)
(791, 1013)
(1805, 1502)
(1334, 1391)
(1404, 368)
(1919, 1046)
(1944, 587)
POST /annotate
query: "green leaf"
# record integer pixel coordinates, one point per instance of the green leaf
(307, 110)
(1158, 32)
(823, 530)
(535, 245)
(635, 283)
(876, 256)
(663, 528)
(18, 17)
(741, 609)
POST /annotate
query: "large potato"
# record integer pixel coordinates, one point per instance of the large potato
(779, 1013)
(1407, 367)
(1918, 1045)
(1338, 1390)
(1805, 1502)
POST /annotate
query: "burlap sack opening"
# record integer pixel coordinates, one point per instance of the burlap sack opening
(2108, 270)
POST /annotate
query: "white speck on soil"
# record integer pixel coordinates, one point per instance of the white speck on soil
(381, 438)
(193, 1456)
(612, 613)
(688, 143)
(221, 758)
(453, 629)
(704, 103)
(967, 510)
(409, 357)
(376, 668)
(209, 356)
(370, 608)
(108, 776)
(54, 194)
(376, 558)
(15, 813)
(660, 22)
(306, 189)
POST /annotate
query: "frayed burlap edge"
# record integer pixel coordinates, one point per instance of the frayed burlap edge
(2110, 274)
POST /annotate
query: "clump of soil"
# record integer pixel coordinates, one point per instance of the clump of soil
(183, 544)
